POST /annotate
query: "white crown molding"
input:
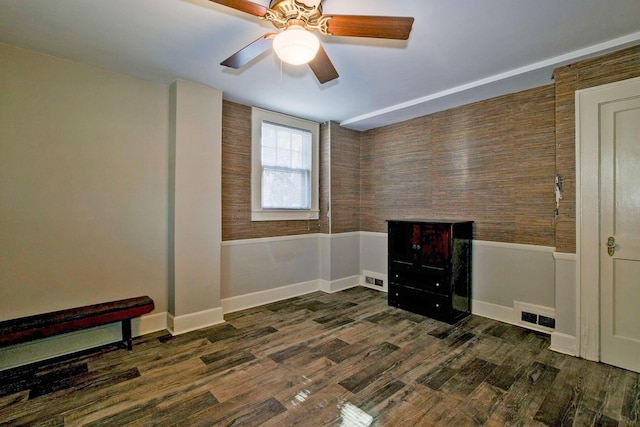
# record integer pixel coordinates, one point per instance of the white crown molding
(497, 85)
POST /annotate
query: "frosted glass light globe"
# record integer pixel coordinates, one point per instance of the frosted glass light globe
(296, 45)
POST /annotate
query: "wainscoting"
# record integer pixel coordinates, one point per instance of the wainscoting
(506, 277)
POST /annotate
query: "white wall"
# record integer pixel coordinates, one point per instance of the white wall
(83, 185)
(83, 195)
(259, 271)
(564, 337)
(373, 252)
(195, 231)
(504, 273)
(88, 212)
(256, 265)
(507, 278)
(345, 255)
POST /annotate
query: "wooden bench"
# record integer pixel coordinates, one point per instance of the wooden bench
(24, 329)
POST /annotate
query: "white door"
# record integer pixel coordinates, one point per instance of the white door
(620, 229)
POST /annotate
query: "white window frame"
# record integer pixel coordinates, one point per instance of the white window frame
(258, 116)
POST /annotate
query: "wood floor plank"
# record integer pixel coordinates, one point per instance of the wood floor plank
(361, 350)
(377, 393)
(371, 372)
(223, 360)
(260, 374)
(468, 377)
(561, 405)
(149, 413)
(359, 331)
(418, 358)
(319, 407)
(481, 403)
(515, 362)
(631, 405)
(249, 414)
(523, 400)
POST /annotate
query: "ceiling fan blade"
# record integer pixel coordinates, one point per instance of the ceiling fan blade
(380, 27)
(322, 67)
(249, 52)
(244, 6)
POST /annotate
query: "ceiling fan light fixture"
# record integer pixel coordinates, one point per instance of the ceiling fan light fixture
(296, 45)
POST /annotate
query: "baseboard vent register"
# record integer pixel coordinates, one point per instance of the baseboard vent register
(373, 281)
(545, 321)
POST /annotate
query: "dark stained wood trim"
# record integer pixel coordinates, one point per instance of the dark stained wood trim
(24, 329)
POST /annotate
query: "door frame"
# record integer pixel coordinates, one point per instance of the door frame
(588, 247)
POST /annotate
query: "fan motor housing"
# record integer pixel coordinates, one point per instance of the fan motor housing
(293, 9)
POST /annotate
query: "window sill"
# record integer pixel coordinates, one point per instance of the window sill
(284, 215)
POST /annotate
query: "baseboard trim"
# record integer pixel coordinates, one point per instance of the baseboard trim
(149, 324)
(511, 315)
(333, 286)
(494, 311)
(178, 325)
(255, 299)
(563, 343)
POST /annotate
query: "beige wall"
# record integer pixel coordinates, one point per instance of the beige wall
(83, 185)
(195, 232)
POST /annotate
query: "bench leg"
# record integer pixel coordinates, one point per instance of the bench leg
(126, 333)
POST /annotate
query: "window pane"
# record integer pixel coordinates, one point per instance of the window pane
(286, 167)
(285, 189)
(284, 158)
(268, 136)
(296, 142)
(297, 160)
(269, 156)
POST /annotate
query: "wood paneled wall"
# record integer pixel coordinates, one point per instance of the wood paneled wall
(492, 162)
(395, 179)
(236, 183)
(325, 172)
(345, 181)
(621, 65)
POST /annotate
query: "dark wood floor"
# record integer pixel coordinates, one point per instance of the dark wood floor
(342, 359)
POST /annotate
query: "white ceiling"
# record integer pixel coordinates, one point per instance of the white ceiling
(459, 51)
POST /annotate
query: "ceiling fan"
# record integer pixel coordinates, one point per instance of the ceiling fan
(294, 43)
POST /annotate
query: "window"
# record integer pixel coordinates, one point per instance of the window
(284, 167)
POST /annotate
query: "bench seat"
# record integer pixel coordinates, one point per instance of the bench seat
(24, 329)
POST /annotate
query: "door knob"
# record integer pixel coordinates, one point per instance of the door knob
(611, 245)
